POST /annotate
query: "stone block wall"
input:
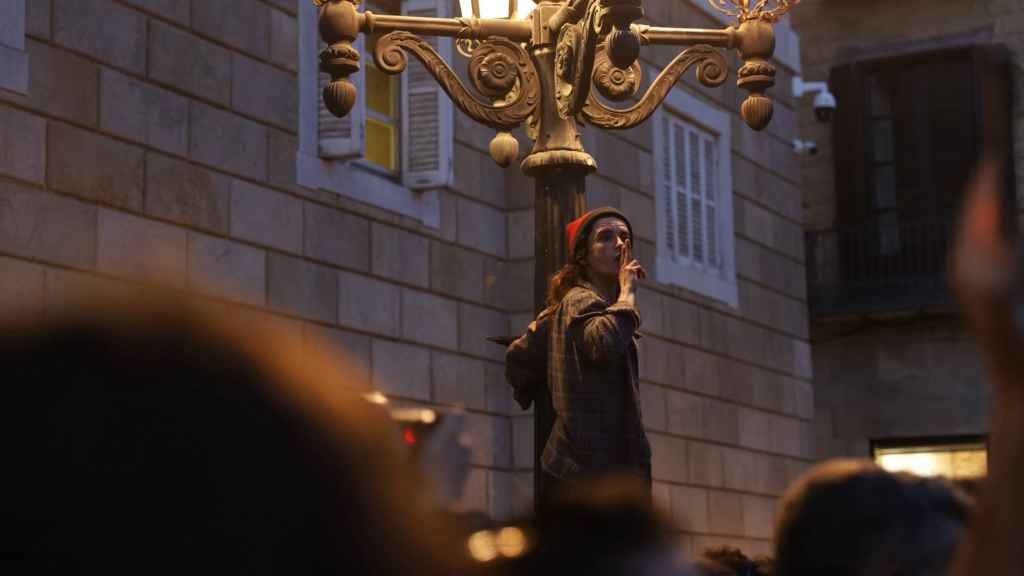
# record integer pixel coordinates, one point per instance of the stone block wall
(907, 376)
(826, 28)
(157, 144)
(918, 379)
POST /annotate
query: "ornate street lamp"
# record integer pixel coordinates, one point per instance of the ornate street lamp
(534, 66)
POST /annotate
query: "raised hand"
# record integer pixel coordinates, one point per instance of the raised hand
(983, 269)
(983, 274)
(629, 270)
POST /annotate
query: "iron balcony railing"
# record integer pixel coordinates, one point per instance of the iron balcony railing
(886, 264)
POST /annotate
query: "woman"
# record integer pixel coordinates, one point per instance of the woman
(584, 344)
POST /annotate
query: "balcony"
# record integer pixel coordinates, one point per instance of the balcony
(886, 265)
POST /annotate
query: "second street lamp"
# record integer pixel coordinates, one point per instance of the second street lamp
(538, 66)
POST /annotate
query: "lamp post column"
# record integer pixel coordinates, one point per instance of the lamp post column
(559, 166)
(560, 197)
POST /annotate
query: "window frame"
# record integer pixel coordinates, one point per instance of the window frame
(719, 283)
(355, 178)
(397, 120)
(879, 256)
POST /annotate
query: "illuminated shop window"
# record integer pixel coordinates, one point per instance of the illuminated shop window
(956, 459)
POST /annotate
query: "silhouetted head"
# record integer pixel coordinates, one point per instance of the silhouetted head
(727, 561)
(731, 561)
(852, 518)
(602, 526)
(160, 436)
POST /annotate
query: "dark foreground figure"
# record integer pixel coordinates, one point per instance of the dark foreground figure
(151, 437)
(602, 526)
(852, 518)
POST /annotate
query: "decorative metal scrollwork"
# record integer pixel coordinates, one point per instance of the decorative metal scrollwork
(712, 70)
(468, 38)
(565, 54)
(574, 61)
(614, 83)
(465, 46)
(492, 72)
(744, 10)
(499, 69)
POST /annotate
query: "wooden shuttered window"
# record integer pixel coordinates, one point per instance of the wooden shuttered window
(847, 83)
(908, 133)
(690, 199)
(415, 141)
(693, 198)
(427, 113)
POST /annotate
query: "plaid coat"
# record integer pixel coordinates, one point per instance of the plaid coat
(592, 374)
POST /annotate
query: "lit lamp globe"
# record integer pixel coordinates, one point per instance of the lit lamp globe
(503, 9)
(504, 147)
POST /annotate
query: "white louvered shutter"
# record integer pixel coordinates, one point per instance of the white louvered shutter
(711, 203)
(696, 205)
(341, 138)
(426, 111)
(682, 201)
(667, 216)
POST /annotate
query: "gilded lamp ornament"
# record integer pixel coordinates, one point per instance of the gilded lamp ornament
(551, 67)
(535, 65)
(742, 10)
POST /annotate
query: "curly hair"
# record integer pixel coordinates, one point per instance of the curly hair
(563, 281)
(843, 517)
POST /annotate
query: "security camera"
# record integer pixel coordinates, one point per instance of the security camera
(805, 148)
(824, 100)
(824, 106)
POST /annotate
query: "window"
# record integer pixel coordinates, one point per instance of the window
(913, 127)
(881, 165)
(908, 121)
(959, 459)
(383, 124)
(13, 58)
(694, 198)
(394, 149)
(909, 131)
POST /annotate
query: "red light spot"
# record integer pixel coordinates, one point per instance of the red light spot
(409, 436)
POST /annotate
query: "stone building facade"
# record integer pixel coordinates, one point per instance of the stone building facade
(900, 367)
(167, 141)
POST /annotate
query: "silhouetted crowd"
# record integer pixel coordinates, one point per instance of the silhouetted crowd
(150, 433)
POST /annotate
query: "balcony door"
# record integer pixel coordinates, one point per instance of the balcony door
(909, 131)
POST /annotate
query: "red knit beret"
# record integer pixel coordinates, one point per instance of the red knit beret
(579, 228)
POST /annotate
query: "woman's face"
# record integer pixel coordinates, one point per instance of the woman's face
(607, 239)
